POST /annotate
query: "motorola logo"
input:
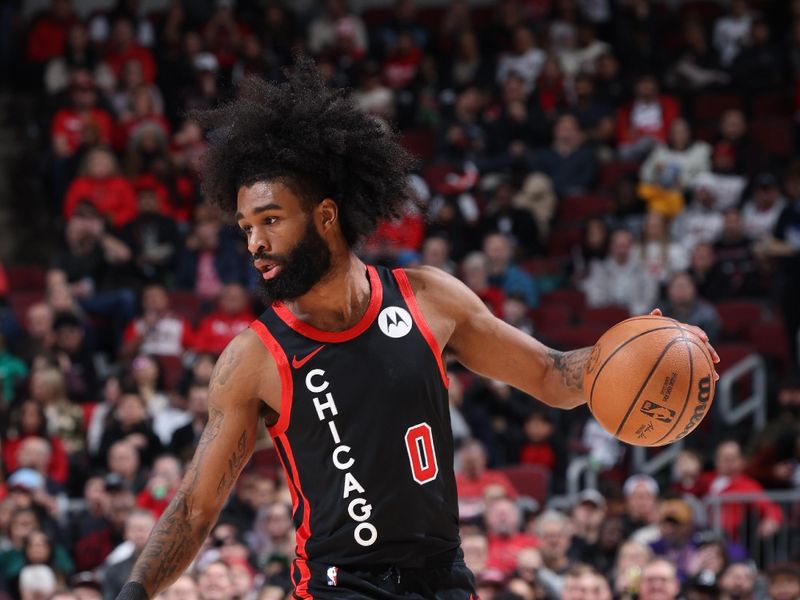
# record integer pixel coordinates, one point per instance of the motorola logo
(395, 321)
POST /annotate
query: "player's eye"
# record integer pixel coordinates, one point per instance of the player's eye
(270, 220)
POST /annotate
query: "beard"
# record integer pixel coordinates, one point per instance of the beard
(301, 269)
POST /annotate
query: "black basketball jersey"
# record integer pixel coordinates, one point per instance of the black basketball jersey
(364, 434)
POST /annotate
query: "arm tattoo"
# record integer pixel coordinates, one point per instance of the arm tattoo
(571, 366)
(235, 463)
(178, 534)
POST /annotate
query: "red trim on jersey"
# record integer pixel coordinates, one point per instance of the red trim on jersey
(419, 319)
(303, 328)
(285, 374)
(304, 531)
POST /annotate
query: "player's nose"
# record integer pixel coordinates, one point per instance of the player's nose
(257, 242)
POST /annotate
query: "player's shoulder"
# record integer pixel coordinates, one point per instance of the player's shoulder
(437, 287)
(430, 279)
(248, 356)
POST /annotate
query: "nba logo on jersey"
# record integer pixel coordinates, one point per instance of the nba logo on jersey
(394, 321)
(333, 574)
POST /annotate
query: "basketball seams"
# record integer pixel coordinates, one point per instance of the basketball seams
(620, 347)
(645, 382)
(687, 341)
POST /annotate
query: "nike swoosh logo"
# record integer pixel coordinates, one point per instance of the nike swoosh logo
(296, 364)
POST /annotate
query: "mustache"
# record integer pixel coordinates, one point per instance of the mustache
(262, 255)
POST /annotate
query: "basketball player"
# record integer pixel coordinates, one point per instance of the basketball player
(345, 365)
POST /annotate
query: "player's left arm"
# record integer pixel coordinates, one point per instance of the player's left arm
(492, 348)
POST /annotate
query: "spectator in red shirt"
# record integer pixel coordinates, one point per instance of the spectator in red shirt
(222, 33)
(503, 529)
(123, 48)
(165, 478)
(728, 478)
(91, 549)
(644, 121)
(398, 241)
(102, 186)
(143, 120)
(29, 421)
(82, 123)
(475, 273)
(686, 474)
(400, 67)
(158, 331)
(48, 33)
(539, 448)
(220, 327)
(473, 478)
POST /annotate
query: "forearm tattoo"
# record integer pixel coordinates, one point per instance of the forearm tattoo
(181, 530)
(570, 365)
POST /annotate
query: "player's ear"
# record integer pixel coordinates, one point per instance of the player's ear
(327, 215)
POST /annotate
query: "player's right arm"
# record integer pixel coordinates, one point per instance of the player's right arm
(241, 378)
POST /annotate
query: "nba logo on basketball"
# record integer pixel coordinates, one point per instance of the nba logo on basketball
(333, 575)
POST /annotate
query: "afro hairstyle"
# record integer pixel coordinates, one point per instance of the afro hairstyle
(315, 141)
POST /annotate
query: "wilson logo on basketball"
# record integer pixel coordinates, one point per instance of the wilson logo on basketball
(703, 395)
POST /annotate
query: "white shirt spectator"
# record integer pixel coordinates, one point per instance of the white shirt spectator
(662, 260)
(581, 60)
(325, 32)
(665, 165)
(169, 336)
(627, 284)
(730, 34)
(759, 224)
(697, 224)
(527, 66)
(727, 189)
(604, 449)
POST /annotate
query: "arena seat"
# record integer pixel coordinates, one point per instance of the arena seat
(710, 105)
(768, 338)
(420, 142)
(530, 480)
(562, 240)
(573, 299)
(25, 277)
(773, 135)
(172, 371)
(549, 317)
(21, 301)
(730, 353)
(612, 172)
(772, 104)
(576, 209)
(604, 316)
(705, 11)
(186, 304)
(737, 317)
(542, 266)
(575, 336)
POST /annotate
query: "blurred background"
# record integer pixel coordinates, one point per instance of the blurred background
(579, 161)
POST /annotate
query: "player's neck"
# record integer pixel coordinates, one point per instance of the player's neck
(340, 298)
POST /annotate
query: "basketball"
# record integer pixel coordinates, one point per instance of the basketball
(649, 381)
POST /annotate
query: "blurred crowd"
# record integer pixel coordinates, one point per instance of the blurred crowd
(580, 161)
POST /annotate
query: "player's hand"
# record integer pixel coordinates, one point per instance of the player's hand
(656, 312)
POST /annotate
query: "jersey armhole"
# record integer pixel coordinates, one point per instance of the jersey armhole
(419, 319)
(285, 375)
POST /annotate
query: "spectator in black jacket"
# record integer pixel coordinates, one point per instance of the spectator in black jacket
(131, 423)
(184, 439)
(569, 161)
(152, 237)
